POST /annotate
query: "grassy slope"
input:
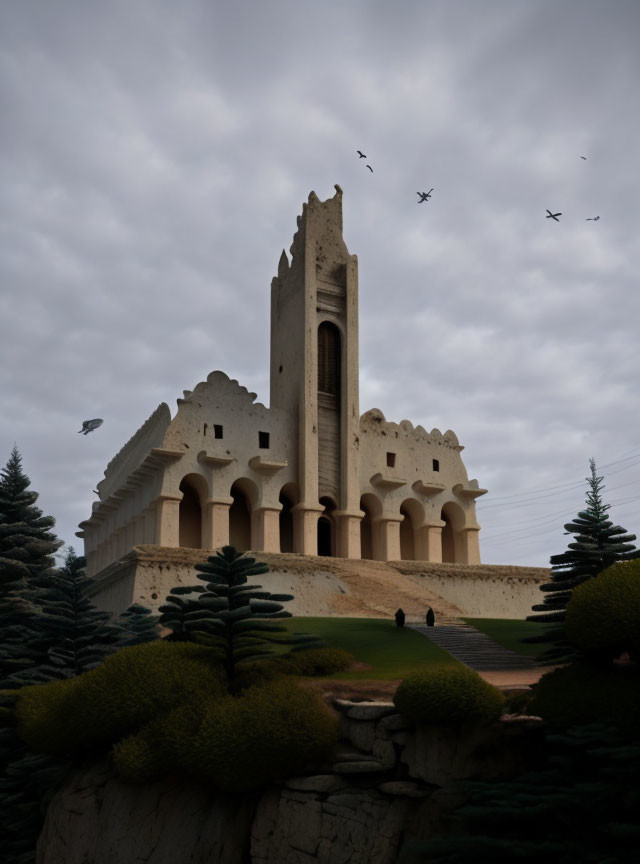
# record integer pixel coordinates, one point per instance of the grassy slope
(391, 652)
(508, 633)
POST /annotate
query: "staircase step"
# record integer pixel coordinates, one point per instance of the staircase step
(473, 648)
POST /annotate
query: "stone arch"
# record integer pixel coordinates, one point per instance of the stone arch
(372, 509)
(245, 494)
(194, 492)
(289, 497)
(453, 517)
(410, 530)
(327, 528)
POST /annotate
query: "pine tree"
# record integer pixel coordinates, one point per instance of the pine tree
(73, 634)
(597, 544)
(27, 546)
(231, 616)
(138, 625)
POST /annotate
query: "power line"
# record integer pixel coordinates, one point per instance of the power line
(634, 453)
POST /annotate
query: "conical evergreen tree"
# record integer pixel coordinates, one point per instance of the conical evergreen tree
(138, 624)
(597, 544)
(27, 546)
(231, 616)
(74, 634)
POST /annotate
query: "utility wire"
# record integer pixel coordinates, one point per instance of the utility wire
(634, 453)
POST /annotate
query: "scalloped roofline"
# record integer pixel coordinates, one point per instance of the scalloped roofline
(218, 377)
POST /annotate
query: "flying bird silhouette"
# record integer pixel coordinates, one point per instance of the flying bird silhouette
(90, 425)
(584, 157)
(370, 168)
(361, 154)
(551, 215)
(424, 196)
(593, 219)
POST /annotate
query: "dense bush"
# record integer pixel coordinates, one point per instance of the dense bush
(115, 699)
(235, 742)
(603, 615)
(583, 693)
(448, 695)
(313, 661)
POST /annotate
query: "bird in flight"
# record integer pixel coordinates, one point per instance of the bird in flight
(90, 425)
(370, 168)
(424, 196)
(593, 219)
(551, 215)
(361, 154)
(584, 157)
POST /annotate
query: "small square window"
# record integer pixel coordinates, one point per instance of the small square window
(436, 465)
(391, 460)
(263, 440)
(217, 431)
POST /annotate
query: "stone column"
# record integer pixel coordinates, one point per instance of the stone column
(388, 531)
(305, 528)
(168, 520)
(348, 533)
(265, 529)
(468, 546)
(433, 539)
(215, 523)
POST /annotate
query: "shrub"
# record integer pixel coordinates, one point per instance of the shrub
(314, 661)
(115, 699)
(237, 742)
(603, 615)
(583, 694)
(448, 695)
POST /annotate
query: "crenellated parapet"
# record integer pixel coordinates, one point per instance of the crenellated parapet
(374, 420)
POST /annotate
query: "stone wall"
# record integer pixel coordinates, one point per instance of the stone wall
(387, 784)
(336, 586)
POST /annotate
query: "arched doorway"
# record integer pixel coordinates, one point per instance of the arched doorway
(190, 513)
(448, 546)
(326, 528)
(453, 517)
(288, 499)
(240, 516)
(410, 545)
(372, 508)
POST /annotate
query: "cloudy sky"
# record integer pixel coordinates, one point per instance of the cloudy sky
(155, 155)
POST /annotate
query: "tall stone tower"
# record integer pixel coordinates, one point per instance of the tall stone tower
(314, 376)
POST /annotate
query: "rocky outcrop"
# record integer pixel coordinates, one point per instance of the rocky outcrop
(387, 783)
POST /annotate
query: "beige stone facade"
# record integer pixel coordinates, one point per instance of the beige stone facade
(308, 474)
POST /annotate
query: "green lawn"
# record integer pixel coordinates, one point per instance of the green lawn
(392, 652)
(509, 632)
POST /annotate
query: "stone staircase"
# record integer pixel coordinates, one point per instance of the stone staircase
(472, 647)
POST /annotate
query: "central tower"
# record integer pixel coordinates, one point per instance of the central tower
(314, 376)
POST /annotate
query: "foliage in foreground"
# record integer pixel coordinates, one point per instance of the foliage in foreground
(449, 696)
(578, 804)
(589, 693)
(71, 717)
(597, 544)
(233, 618)
(164, 707)
(268, 732)
(603, 615)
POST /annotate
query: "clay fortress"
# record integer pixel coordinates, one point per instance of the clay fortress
(308, 476)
